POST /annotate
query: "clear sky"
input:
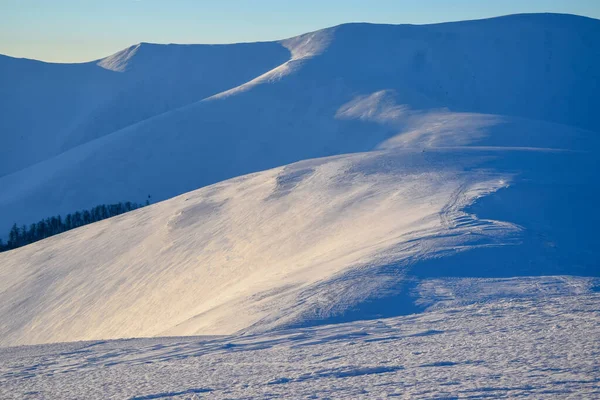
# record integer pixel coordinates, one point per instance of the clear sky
(83, 30)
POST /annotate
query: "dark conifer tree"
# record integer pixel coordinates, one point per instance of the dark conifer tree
(68, 222)
(13, 236)
(41, 230)
(23, 236)
(31, 234)
(77, 219)
(55, 225)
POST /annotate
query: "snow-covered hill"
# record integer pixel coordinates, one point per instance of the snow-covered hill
(163, 120)
(50, 108)
(392, 159)
(314, 241)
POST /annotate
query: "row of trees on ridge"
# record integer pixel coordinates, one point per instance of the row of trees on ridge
(21, 236)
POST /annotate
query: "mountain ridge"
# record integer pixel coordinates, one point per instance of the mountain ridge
(540, 14)
(304, 244)
(364, 210)
(343, 89)
(347, 165)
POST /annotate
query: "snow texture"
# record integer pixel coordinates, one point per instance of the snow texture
(539, 346)
(360, 212)
(162, 120)
(301, 243)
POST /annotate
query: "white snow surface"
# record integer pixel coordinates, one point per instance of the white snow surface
(539, 346)
(301, 243)
(362, 211)
(162, 120)
(248, 251)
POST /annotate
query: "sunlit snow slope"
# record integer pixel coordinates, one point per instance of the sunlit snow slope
(163, 120)
(297, 244)
(454, 150)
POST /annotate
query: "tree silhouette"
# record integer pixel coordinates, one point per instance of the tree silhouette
(44, 228)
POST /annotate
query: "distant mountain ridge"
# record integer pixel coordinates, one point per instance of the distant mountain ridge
(59, 106)
(166, 119)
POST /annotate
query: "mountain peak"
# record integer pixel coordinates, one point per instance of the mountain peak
(119, 62)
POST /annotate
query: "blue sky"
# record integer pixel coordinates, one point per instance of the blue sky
(81, 30)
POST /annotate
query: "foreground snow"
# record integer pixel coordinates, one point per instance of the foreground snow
(540, 344)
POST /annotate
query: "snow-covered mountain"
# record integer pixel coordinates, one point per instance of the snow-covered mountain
(311, 241)
(361, 212)
(162, 120)
(386, 156)
(50, 108)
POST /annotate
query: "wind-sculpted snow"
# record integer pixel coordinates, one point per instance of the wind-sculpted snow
(544, 345)
(249, 252)
(362, 211)
(307, 243)
(162, 120)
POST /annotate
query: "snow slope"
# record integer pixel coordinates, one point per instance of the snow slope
(542, 346)
(447, 151)
(523, 80)
(309, 242)
(49, 108)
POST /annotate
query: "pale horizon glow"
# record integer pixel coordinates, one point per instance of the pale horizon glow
(79, 31)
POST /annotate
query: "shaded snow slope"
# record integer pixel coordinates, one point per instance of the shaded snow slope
(524, 80)
(160, 162)
(544, 346)
(293, 245)
(49, 108)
